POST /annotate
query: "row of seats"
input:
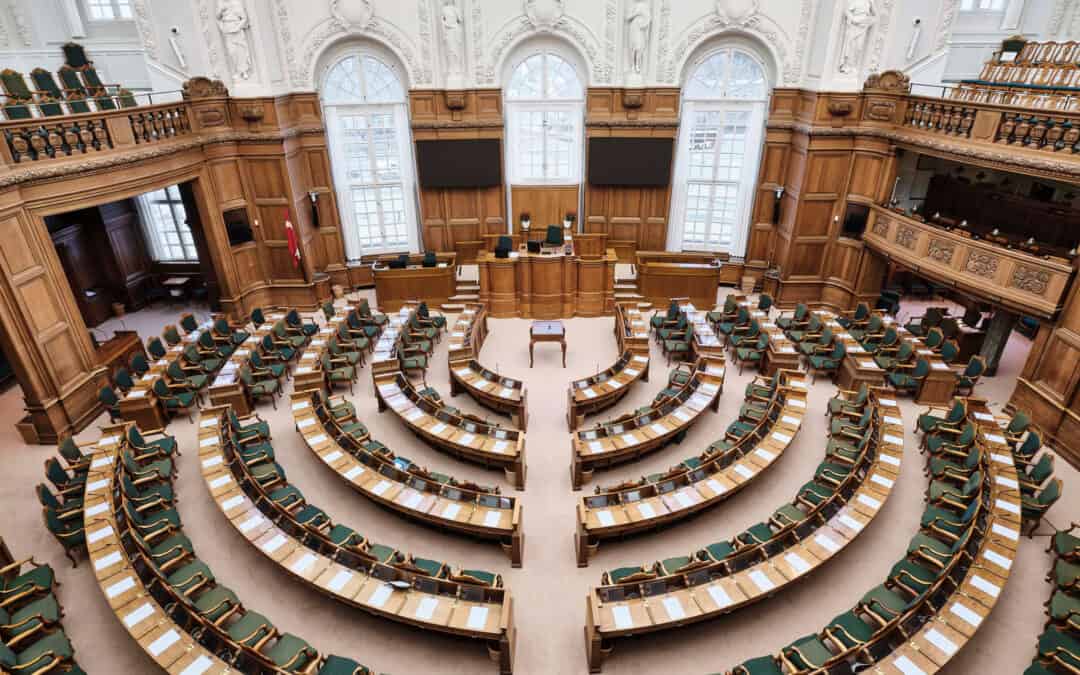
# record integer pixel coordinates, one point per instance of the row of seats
(134, 526)
(598, 392)
(80, 90)
(936, 596)
(773, 413)
(847, 491)
(331, 430)
(32, 639)
(1058, 650)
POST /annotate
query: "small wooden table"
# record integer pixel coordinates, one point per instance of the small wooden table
(547, 331)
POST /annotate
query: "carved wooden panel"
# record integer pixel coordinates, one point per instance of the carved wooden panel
(546, 204)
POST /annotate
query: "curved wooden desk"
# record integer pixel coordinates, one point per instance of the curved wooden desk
(445, 504)
(690, 487)
(468, 332)
(462, 436)
(939, 622)
(631, 328)
(540, 286)
(706, 590)
(501, 394)
(606, 445)
(603, 390)
(165, 641)
(447, 606)
(394, 287)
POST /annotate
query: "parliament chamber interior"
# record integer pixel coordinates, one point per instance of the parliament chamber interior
(713, 337)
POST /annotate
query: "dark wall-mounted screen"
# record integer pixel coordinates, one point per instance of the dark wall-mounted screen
(630, 161)
(464, 163)
(236, 224)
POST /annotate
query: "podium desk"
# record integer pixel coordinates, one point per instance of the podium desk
(395, 287)
(547, 286)
(859, 369)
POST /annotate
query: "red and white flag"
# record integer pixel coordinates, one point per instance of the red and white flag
(294, 241)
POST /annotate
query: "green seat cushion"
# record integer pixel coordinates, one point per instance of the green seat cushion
(27, 661)
(250, 628)
(617, 575)
(671, 565)
(719, 550)
(291, 652)
(762, 665)
(885, 602)
(815, 493)
(1066, 544)
(339, 665)
(36, 578)
(789, 514)
(190, 575)
(850, 630)
(344, 536)
(808, 652)
(1066, 574)
(171, 548)
(287, 496)
(215, 602)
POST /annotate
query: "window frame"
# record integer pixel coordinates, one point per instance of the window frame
(977, 7)
(345, 186)
(518, 107)
(115, 6)
(155, 228)
(693, 104)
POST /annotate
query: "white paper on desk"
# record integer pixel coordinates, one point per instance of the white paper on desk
(674, 608)
(983, 417)
(467, 439)
(826, 542)
(107, 441)
(99, 534)
(138, 615)
(615, 384)
(97, 485)
(934, 637)
(965, 614)
(107, 561)
(330, 458)
(304, 563)
(125, 584)
(1001, 459)
(719, 596)
(251, 523)
(477, 618)
(166, 640)
(797, 403)
(882, 481)
(1007, 482)
(305, 423)
(412, 499)
(797, 563)
(646, 510)
(907, 666)
(850, 522)
(138, 393)
(793, 421)
(96, 509)
(1006, 532)
(631, 372)
(199, 666)
(208, 422)
(605, 518)
(596, 446)
(895, 440)
(426, 609)
(451, 511)
(889, 459)
(506, 392)
(438, 428)
(212, 461)
(381, 487)
(275, 543)
(623, 619)
(995, 438)
(716, 486)
(1007, 506)
(629, 439)
(998, 559)
(659, 428)
(340, 579)
(353, 472)
(232, 502)
(209, 442)
(887, 402)
(889, 419)
(762, 581)
(781, 438)
(993, 590)
(869, 501)
(681, 415)
(743, 471)
(413, 414)
(588, 392)
(381, 595)
(101, 462)
(500, 446)
(491, 519)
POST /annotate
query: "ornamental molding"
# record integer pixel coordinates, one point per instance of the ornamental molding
(464, 124)
(285, 41)
(567, 26)
(650, 123)
(712, 26)
(1050, 167)
(144, 23)
(382, 31)
(611, 38)
(981, 264)
(949, 8)
(881, 226)
(478, 38)
(427, 37)
(881, 35)
(941, 251)
(1030, 280)
(905, 236)
(208, 30)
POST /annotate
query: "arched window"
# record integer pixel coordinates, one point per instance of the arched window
(545, 107)
(723, 117)
(371, 152)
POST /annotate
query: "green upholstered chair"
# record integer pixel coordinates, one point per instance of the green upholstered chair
(807, 653)
(46, 83)
(295, 324)
(1033, 508)
(814, 344)
(752, 353)
(338, 373)
(258, 389)
(364, 310)
(435, 318)
(743, 336)
(659, 320)
(70, 507)
(726, 312)
(934, 339)
(765, 303)
(352, 342)
(195, 381)
(812, 328)
(18, 100)
(762, 665)
(65, 483)
(909, 382)
(827, 363)
(930, 319)
(430, 259)
(847, 402)
(155, 348)
(340, 355)
(955, 415)
(222, 332)
(295, 338)
(887, 360)
(870, 335)
(965, 385)
(280, 351)
(139, 365)
(67, 531)
(889, 344)
(796, 320)
(1017, 426)
(108, 398)
(339, 665)
(176, 398)
(858, 318)
(679, 345)
(51, 653)
(554, 236)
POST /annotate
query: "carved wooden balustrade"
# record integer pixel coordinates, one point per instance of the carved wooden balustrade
(54, 139)
(1033, 129)
(1002, 276)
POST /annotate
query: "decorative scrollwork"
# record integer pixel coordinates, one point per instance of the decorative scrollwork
(981, 264)
(905, 236)
(1030, 280)
(881, 227)
(941, 251)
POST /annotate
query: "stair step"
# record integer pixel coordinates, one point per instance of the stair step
(629, 296)
(468, 288)
(626, 286)
(452, 307)
(465, 297)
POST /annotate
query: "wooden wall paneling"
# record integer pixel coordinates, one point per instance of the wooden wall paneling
(546, 204)
(129, 251)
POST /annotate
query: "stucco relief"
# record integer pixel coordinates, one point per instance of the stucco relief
(565, 25)
(1030, 280)
(981, 264)
(941, 251)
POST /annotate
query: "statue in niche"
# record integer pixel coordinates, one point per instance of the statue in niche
(454, 36)
(859, 19)
(639, 21)
(233, 23)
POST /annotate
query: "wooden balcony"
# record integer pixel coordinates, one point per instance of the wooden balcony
(1017, 280)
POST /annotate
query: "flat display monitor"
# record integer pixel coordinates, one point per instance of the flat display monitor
(630, 161)
(465, 163)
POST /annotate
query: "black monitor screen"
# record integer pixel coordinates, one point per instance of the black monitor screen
(460, 163)
(630, 161)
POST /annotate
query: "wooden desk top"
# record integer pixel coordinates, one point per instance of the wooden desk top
(547, 329)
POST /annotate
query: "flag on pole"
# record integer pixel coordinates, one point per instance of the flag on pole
(294, 242)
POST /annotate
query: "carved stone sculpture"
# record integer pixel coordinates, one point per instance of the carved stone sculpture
(859, 19)
(232, 19)
(453, 27)
(735, 11)
(639, 24)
